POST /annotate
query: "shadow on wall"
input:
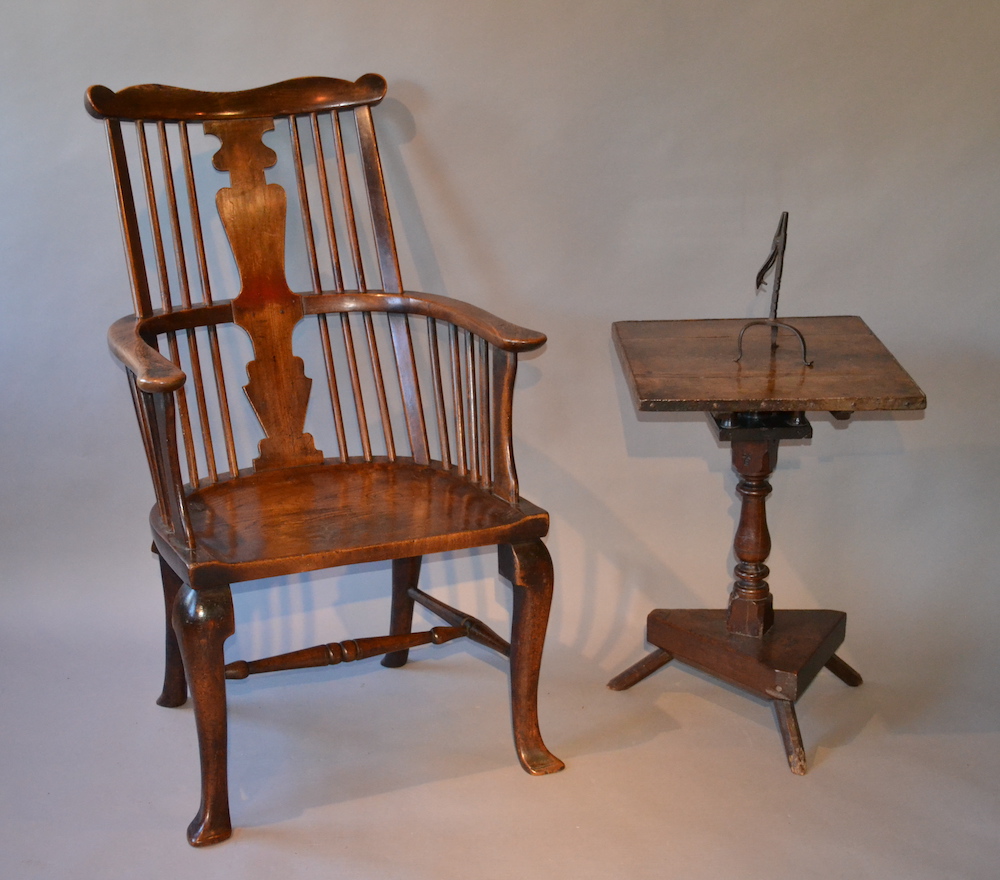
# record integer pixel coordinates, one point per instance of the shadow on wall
(397, 119)
(622, 577)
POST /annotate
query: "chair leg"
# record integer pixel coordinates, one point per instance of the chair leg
(405, 574)
(203, 620)
(174, 691)
(528, 567)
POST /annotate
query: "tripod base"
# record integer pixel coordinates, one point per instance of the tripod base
(778, 667)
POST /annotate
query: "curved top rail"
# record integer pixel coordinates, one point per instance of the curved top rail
(309, 94)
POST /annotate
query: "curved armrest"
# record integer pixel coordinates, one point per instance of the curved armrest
(502, 334)
(154, 374)
(497, 331)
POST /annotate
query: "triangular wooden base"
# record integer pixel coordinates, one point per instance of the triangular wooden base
(778, 667)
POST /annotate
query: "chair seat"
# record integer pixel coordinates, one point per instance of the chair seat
(289, 520)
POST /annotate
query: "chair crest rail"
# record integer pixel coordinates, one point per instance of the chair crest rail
(313, 94)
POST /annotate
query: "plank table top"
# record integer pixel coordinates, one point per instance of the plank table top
(691, 366)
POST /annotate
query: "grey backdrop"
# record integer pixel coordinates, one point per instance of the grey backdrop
(565, 165)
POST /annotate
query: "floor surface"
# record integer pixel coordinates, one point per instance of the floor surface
(365, 772)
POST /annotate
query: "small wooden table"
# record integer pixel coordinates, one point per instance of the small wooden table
(754, 404)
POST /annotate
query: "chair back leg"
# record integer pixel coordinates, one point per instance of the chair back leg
(405, 574)
(174, 691)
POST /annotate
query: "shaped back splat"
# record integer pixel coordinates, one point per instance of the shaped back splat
(253, 213)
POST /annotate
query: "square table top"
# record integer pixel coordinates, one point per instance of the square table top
(690, 366)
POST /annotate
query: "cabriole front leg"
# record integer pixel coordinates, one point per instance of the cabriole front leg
(528, 567)
(203, 620)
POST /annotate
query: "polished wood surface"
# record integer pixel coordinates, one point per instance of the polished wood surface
(800, 644)
(690, 366)
(279, 522)
(379, 424)
(751, 607)
(308, 94)
(754, 405)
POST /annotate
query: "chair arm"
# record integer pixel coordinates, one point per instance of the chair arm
(502, 334)
(494, 330)
(154, 374)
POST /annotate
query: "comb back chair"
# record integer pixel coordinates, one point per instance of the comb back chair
(414, 405)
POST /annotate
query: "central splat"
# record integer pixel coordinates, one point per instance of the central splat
(253, 213)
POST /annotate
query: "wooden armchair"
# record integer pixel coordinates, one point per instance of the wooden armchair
(414, 412)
